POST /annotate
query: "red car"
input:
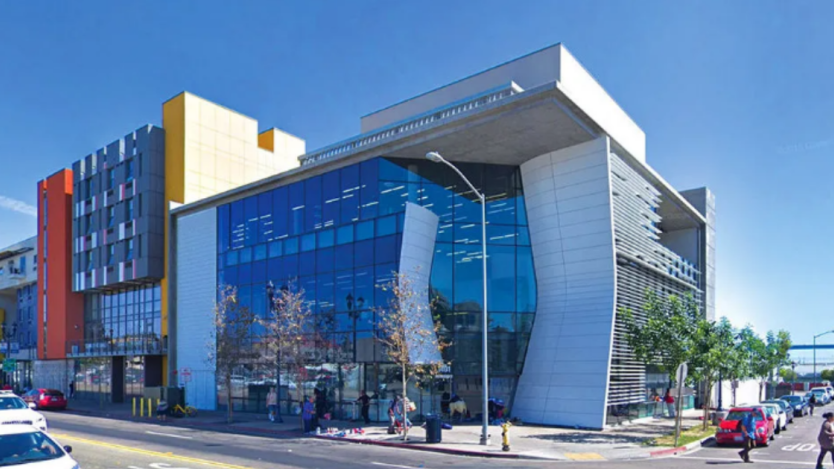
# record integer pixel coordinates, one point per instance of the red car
(46, 399)
(729, 430)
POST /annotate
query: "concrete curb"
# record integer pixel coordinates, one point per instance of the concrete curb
(436, 449)
(682, 449)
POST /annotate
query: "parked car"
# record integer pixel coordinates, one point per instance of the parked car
(822, 395)
(26, 447)
(778, 415)
(799, 405)
(729, 430)
(46, 399)
(786, 408)
(14, 411)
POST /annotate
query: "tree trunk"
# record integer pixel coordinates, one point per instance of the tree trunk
(761, 385)
(707, 401)
(300, 395)
(405, 405)
(230, 413)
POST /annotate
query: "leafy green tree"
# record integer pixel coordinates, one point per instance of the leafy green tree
(787, 375)
(662, 333)
(712, 356)
(768, 355)
(827, 375)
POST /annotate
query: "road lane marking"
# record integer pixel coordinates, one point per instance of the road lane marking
(146, 452)
(170, 435)
(755, 460)
(392, 465)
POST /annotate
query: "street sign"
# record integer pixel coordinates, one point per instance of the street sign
(9, 365)
(185, 375)
(680, 375)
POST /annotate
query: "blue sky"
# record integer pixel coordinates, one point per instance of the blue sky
(733, 95)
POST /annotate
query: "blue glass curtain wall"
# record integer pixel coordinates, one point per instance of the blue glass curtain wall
(338, 236)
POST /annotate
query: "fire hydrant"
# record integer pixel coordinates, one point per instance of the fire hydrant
(505, 434)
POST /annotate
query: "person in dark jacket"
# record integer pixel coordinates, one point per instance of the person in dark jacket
(826, 438)
(812, 403)
(365, 402)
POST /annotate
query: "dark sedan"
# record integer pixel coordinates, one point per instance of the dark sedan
(799, 405)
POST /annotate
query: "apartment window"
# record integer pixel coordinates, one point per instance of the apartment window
(130, 209)
(139, 246)
(139, 159)
(111, 178)
(88, 222)
(23, 265)
(111, 216)
(88, 188)
(44, 209)
(129, 170)
(1, 270)
(89, 260)
(111, 254)
(139, 212)
(35, 263)
(129, 254)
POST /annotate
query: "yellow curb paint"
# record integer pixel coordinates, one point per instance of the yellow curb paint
(148, 452)
(584, 457)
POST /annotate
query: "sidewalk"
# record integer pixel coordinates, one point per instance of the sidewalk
(527, 442)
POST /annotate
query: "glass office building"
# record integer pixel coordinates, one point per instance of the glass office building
(338, 236)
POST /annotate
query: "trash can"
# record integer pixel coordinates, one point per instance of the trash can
(434, 429)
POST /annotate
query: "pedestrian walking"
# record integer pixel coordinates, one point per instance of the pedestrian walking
(365, 401)
(308, 413)
(826, 438)
(670, 403)
(272, 404)
(812, 403)
(392, 415)
(71, 389)
(748, 431)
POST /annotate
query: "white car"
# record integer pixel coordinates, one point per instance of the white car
(14, 411)
(26, 447)
(780, 416)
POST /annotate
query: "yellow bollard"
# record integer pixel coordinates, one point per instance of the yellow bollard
(150, 414)
(141, 408)
(134, 407)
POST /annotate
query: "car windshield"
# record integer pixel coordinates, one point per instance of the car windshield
(11, 403)
(738, 415)
(20, 448)
(792, 399)
(53, 393)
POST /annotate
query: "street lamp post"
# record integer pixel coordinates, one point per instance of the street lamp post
(436, 158)
(815, 352)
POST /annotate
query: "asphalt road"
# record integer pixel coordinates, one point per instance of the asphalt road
(109, 444)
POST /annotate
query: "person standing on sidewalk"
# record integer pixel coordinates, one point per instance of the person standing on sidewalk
(71, 389)
(365, 401)
(812, 403)
(308, 411)
(272, 404)
(748, 431)
(826, 438)
(670, 403)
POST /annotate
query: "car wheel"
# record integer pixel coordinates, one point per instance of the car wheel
(772, 437)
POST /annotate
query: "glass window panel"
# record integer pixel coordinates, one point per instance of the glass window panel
(324, 260)
(325, 292)
(307, 263)
(223, 222)
(521, 210)
(345, 301)
(394, 195)
(501, 264)
(265, 217)
(364, 253)
(439, 200)
(523, 236)
(260, 252)
(331, 195)
(275, 270)
(309, 286)
(312, 189)
(364, 286)
(468, 233)
(525, 323)
(244, 296)
(291, 267)
(291, 246)
(501, 234)
(228, 276)
(468, 277)
(365, 321)
(400, 222)
(245, 255)
(442, 276)
(238, 224)
(296, 208)
(350, 194)
(279, 212)
(369, 192)
(326, 238)
(276, 248)
(344, 234)
(344, 322)
(364, 230)
(499, 189)
(308, 242)
(344, 257)
(259, 301)
(250, 206)
(221, 261)
(259, 272)
(245, 274)
(386, 225)
(391, 171)
(232, 257)
(501, 322)
(385, 274)
(445, 232)
(386, 249)
(525, 281)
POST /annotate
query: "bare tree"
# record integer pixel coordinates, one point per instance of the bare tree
(231, 344)
(410, 340)
(289, 336)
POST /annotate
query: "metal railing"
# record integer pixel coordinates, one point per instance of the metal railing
(467, 105)
(130, 346)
